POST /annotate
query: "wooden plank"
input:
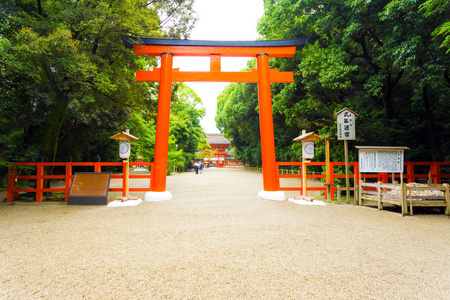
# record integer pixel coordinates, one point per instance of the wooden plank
(369, 193)
(288, 51)
(214, 76)
(447, 198)
(130, 42)
(380, 204)
(429, 203)
(396, 202)
(89, 189)
(368, 184)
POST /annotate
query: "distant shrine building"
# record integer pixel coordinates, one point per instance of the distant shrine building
(221, 158)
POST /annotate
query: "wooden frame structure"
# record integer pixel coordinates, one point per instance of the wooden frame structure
(379, 193)
(215, 50)
(15, 175)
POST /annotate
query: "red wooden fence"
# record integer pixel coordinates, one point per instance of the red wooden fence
(434, 174)
(13, 177)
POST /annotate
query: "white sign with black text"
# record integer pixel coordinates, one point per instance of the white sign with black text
(374, 161)
(346, 125)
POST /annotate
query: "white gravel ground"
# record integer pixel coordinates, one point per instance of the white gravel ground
(216, 240)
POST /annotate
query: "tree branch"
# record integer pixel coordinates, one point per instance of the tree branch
(362, 41)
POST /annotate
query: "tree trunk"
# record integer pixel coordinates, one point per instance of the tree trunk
(388, 106)
(56, 118)
(50, 139)
(434, 139)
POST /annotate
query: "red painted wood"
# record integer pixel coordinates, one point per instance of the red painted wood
(156, 50)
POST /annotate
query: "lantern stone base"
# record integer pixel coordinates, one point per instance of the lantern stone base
(157, 196)
(119, 203)
(276, 195)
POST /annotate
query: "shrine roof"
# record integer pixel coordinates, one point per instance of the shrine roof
(217, 139)
(129, 41)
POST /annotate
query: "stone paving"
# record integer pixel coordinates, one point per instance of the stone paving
(216, 240)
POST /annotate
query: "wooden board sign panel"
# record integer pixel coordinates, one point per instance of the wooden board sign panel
(346, 125)
(89, 189)
(385, 161)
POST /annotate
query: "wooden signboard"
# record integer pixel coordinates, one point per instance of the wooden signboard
(89, 189)
(346, 124)
(375, 159)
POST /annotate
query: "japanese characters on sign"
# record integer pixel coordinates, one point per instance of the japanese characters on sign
(308, 149)
(374, 161)
(346, 125)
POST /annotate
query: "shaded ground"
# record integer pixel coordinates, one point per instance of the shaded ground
(216, 240)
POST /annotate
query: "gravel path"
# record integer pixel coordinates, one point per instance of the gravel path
(216, 240)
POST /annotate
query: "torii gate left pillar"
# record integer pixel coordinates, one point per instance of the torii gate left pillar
(166, 49)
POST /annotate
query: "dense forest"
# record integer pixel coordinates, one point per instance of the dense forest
(67, 83)
(388, 61)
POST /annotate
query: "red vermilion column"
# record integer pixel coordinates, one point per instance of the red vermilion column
(125, 176)
(162, 125)
(270, 177)
(39, 181)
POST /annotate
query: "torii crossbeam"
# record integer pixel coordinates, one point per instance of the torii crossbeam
(215, 50)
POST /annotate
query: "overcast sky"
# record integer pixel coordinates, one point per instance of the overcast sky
(220, 20)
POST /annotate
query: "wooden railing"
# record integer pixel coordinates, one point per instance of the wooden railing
(14, 176)
(434, 174)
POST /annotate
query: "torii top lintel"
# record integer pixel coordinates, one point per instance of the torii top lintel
(155, 47)
(214, 50)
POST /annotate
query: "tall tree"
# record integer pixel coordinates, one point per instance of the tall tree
(237, 117)
(60, 55)
(378, 58)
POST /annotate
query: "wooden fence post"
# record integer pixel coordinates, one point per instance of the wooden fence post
(39, 181)
(11, 187)
(403, 199)
(97, 165)
(447, 198)
(68, 177)
(380, 205)
(435, 172)
(338, 189)
(410, 172)
(332, 190)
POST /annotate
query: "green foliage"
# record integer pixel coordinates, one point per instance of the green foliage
(382, 59)
(237, 117)
(432, 8)
(65, 57)
(67, 83)
(185, 130)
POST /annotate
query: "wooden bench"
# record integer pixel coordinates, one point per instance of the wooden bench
(379, 192)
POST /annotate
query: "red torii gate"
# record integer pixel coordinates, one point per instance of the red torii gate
(262, 50)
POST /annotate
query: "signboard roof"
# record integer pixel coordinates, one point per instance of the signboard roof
(345, 109)
(381, 147)
(308, 136)
(124, 136)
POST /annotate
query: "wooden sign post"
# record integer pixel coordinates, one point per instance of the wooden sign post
(307, 140)
(346, 131)
(125, 139)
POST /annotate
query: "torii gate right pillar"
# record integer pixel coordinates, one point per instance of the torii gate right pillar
(270, 173)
